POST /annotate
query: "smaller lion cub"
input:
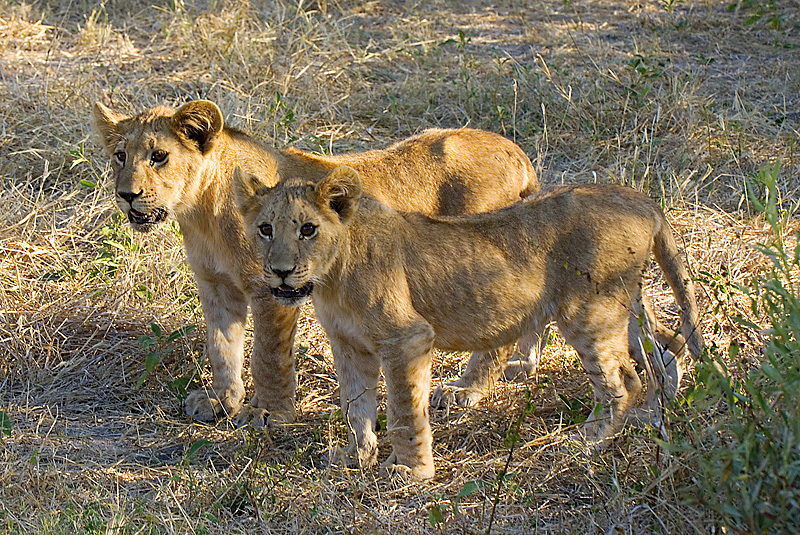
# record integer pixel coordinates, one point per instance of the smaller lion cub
(388, 287)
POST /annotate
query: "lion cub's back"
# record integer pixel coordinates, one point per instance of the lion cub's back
(600, 215)
(446, 172)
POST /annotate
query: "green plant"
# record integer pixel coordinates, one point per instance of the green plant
(283, 117)
(118, 238)
(159, 346)
(669, 6)
(749, 461)
(758, 10)
(196, 446)
(646, 70)
(81, 160)
(462, 41)
(511, 440)
(78, 158)
(441, 511)
(575, 408)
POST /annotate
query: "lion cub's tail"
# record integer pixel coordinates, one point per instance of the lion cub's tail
(668, 257)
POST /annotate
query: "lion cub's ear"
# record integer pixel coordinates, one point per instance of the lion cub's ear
(199, 121)
(248, 189)
(341, 190)
(106, 121)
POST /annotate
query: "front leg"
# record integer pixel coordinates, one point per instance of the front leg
(358, 370)
(407, 367)
(272, 363)
(225, 310)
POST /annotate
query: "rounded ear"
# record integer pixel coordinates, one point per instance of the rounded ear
(199, 121)
(106, 123)
(341, 190)
(248, 190)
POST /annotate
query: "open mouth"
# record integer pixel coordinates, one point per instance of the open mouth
(285, 292)
(145, 222)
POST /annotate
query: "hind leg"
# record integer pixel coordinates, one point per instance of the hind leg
(603, 350)
(525, 359)
(483, 370)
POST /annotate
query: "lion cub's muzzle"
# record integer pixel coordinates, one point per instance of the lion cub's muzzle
(289, 296)
(140, 221)
(145, 222)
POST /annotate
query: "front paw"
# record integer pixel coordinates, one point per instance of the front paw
(205, 406)
(365, 455)
(596, 434)
(450, 395)
(391, 469)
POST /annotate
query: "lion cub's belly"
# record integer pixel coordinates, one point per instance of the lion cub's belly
(477, 328)
(474, 315)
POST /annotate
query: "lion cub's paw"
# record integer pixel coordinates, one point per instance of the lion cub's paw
(647, 418)
(205, 406)
(590, 445)
(642, 418)
(392, 470)
(260, 418)
(347, 457)
(449, 395)
(596, 434)
(519, 368)
(365, 455)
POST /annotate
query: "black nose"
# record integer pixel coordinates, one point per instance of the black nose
(283, 273)
(128, 196)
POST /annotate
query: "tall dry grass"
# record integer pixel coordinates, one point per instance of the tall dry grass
(684, 100)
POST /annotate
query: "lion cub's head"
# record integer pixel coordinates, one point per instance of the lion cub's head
(297, 226)
(158, 157)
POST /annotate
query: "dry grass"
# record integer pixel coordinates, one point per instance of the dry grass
(685, 104)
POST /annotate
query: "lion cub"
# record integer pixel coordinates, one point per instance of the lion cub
(390, 286)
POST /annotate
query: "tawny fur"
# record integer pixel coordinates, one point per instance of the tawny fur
(180, 163)
(390, 286)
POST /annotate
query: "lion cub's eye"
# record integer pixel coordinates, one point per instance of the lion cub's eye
(308, 230)
(120, 156)
(158, 156)
(265, 230)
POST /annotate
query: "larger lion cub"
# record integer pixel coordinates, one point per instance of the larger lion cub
(389, 286)
(179, 163)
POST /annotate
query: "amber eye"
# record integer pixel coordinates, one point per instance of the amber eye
(308, 230)
(120, 156)
(158, 156)
(265, 230)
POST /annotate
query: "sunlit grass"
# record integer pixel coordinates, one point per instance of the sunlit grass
(653, 95)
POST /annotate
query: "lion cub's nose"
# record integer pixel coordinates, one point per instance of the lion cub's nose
(128, 196)
(282, 273)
